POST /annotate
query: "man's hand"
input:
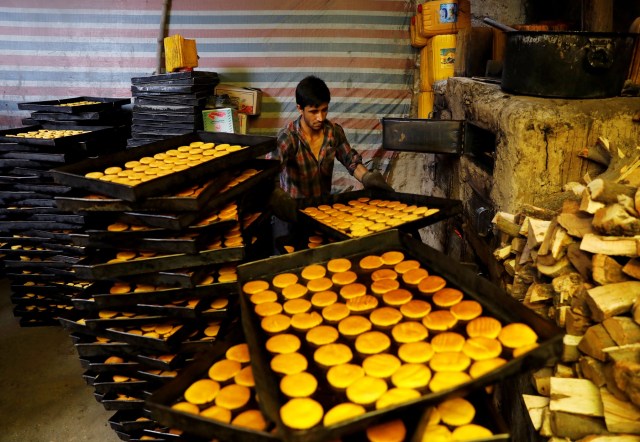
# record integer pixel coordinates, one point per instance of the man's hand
(375, 180)
(283, 205)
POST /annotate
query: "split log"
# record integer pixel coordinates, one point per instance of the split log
(599, 152)
(562, 267)
(620, 416)
(610, 438)
(623, 330)
(545, 428)
(570, 352)
(502, 253)
(613, 299)
(580, 260)
(632, 268)
(518, 243)
(541, 380)
(570, 205)
(575, 426)
(579, 304)
(611, 384)
(576, 324)
(505, 222)
(636, 199)
(626, 375)
(535, 406)
(561, 241)
(539, 292)
(594, 340)
(562, 371)
(588, 205)
(510, 266)
(561, 315)
(624, 353)
(546, 260)
(593, 370)
(635, 311)
(610, 245)
(576, 224)
(606, 191)
(566, 287)
(527, 210)
(628, 204)
(614, 220)
(545, 244)
(576, 396)
(606, 270)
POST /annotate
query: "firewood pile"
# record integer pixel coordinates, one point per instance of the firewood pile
(580, 266)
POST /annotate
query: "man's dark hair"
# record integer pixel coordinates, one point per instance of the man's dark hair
(312, 91)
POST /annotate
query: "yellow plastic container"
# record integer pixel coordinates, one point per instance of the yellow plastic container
(179, 53)
(441, 17)
(425, 104)
(417, 40)
(436, 60)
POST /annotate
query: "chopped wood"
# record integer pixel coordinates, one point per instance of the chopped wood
(628, 352)
(620, 416)
(613, 299)
(611, 385)
(505, 222)
(635, 311)
(607, 270)
(524, 227)
(561, 241)
(588, 205)
(561, 315)
(545, 428)
(632, 268)
(576, 224)
(610, 438)
(535, 406)
(607, 192)
(626, 375)
(518, 243)
(510, 266)
(502, 253)
(576, 396)
(597, 153)
(576, 324)
(614, 220)
(519, 287)
(629, 205)
(546, 260)
(537, 212)
(579, 304)
(562, 371)
(610, 245)
(575, 426)
(541, 379)
(580, 260)
(566, 287)
(561, 267)
(593, 370)
(623, 330)
(575, 188)
(594, 340)
(545, 245)
(628, 170)
(539, 292)
(570, 352)
(636, 199)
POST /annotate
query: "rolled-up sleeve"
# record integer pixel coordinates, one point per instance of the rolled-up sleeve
(346, 154)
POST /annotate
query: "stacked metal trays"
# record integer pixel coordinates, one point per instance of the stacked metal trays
(55, 105)
(494, 301)
(73, 175)
(448, 208)
(93, 133)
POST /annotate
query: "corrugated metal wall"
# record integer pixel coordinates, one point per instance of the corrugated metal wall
(61, 49)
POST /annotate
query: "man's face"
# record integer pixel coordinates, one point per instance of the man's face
(314, 116)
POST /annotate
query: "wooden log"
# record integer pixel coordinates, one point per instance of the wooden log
(611, 384)
(636, 199)
(626, 375)
(620, 416)
(576, 396)
(571, 205)
(570, 352)
(505, 222)
(635, 311)
(510, 266)
(610, 245)
(535, 406)
(576, 224)
(580, 260)
(575, 426)
(606, 191)
(517, 244)
(606, 270)
(563, 371)
(579, 304)
(536, 212)
(561, 315)
(502, 253)
(632, 268)
(623, 330)
(620, 353)
(546, 260)
(566, 287)
(576, 324)
(541, 380)
(588, 205)
(562, 267)
(594, 340)
(628, 204)
(610, 438)
(545, 428)
(561, 241)
(539, 292)
(613, 299)
(614, 220)
(593, 370)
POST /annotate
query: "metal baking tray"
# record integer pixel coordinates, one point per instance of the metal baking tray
(494, 301)
(209, 76)
(111, 402)
(151, 344)
(104, 270)
(73, 175)
(94, 132)
(52, 157)
(448, 208)
(128, 421)
(105, 384)
(160, 401)
(97, 365)
(54, 105)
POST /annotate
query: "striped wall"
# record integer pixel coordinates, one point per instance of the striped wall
(60, 49)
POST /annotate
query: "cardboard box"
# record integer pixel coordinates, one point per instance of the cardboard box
(220, 120)
(242, 123)
(249, 100)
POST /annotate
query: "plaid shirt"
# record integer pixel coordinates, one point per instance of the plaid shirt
(301, 174)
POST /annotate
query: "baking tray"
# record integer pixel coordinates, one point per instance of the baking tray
(94, 132)
(73, 175)
(97, 365)
(448, 208)
(104, 270)
(128, 421)
(54, 105)
(494, 301)
(160, 401)
(185, 75)
(105, 384)
(111, 402)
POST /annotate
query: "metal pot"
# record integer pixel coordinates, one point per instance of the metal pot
(566, 64)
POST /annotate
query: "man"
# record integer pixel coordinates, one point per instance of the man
(306, 149)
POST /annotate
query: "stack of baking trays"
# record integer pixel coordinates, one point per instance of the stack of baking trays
(165, 227)
(169, 104)
(375, 338)
(80, 112)
(37, 260)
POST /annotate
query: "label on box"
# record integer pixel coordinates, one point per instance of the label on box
(220, 120)
(248, 99)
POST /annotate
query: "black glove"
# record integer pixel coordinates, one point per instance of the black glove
(374, 180)
(283, 205)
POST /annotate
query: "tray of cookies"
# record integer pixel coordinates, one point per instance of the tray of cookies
(54, 135)
(74, 105)
(385, 323)
(157, 168)
(363, 212)
(215, 396)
